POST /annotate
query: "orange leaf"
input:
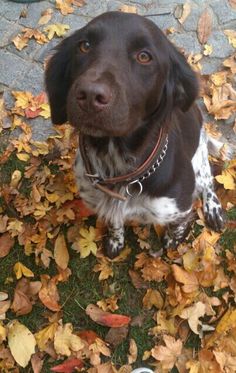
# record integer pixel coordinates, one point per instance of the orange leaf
(49, 294)
(204, 27)
(88, 335)
(68, 366)
(106, 318)
(61, 254)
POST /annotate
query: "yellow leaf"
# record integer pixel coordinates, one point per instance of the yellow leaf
(208, 49)
(185, 13)
(226, 179)
(58, 28)
(228, 321)
(108, 304)
(22, 99)
(3, 333)
(46, 334)
(86, 245)
(21, 342)
(188, 279)
(45, 112)
(20, 270)
(15, 178)
(24, 157)
(231, 37)
(65, 342)
(128, 8)
(105, 270)
(152, 298)
(46, 16)
(61, 254)
(41, 148)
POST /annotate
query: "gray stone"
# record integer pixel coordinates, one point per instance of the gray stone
(46, 50)
(32, 79)
(92, 8)
(12, 67)
(187, 41)
(224, 12)
(7, 31)
(41, 128)
(210, 65)
(220, 44)
(11, 11)
(75, 22)
(28, 52)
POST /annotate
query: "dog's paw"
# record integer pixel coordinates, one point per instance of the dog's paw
(114, 242)
(213, 213)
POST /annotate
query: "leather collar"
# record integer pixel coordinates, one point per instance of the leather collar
(134, 178)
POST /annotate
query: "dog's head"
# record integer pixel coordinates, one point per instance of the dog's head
(115, 74)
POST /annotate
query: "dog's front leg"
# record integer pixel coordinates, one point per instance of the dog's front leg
(114, 241)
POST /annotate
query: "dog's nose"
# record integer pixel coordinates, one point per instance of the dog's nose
(94, 96)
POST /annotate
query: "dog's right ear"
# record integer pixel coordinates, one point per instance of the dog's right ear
(58, 80)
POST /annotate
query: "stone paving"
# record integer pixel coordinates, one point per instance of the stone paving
(23, 70)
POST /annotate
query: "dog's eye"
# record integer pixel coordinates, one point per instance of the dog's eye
(84, 46)
(143, 57)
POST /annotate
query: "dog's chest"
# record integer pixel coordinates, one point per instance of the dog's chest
(161, 210)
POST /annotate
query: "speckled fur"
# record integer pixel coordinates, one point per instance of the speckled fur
(162, 210)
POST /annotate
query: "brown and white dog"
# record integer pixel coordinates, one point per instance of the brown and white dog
(143, 152)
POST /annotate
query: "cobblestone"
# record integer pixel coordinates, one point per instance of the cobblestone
(23, 70)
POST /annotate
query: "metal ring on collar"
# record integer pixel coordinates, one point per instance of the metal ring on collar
(128, 191)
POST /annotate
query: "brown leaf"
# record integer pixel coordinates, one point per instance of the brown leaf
(186, 9)
(68, 366)
(106, 318)
(133, 351)
(21, 304)
(204, 26)
(188, 279)
(116, 336)
(36, 362)
(169, 353)
(48, 294)
(61, 254)
(46, 15)
(232, 3)
(137, 280)
(153, 298)
(6, 243)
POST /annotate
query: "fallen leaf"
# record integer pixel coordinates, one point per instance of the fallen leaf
(227, 179)
(204, 26)
(188, 279)
(192, 314)
(128, 8)
(68, 366)
(231, 34)
(232, 3)
(21, 270)
(86, 245)
(57, 29)
(116, 336)
(208, 49)
(153, 298)
(21, 342)
(64, 7)
(46, 15)
(48, 294)
(105, 269)
(133, 351)
(106, 318)
(36, 362)
(186, 9)
(6, 243)
(65, 342)
(168, 354)
(109, 304)
(137, 280)
(15, 178)
(61, 254)
(20, 41)
(45, 335)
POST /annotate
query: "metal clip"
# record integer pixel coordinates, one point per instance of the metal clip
(127, 188)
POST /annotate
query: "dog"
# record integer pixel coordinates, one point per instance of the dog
(143, 151)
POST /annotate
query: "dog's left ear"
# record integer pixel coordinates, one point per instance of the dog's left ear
(184, 81)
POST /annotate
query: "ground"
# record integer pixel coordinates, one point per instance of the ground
(178, 311)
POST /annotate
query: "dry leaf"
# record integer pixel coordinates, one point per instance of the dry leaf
(106, 318)
(192, 314)
(116, 336)
(153, 298)
(64, 6)
(128, 8)
(57, 29)
(45, 335)
(186, 9)
(48, 294)
(65, 342)
(21, 270)
(204, 26)
(46, 15)
(6, 243)
(227, 179)
(168, 354)
(188, 279)
(61, 254)
(21, 342)
(105, 269)
(20, 41)
(232, 3)
(133, 351)
(37, 363)
(86, 245)
(68, 366)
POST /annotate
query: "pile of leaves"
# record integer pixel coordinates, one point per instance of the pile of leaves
(66, 307)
